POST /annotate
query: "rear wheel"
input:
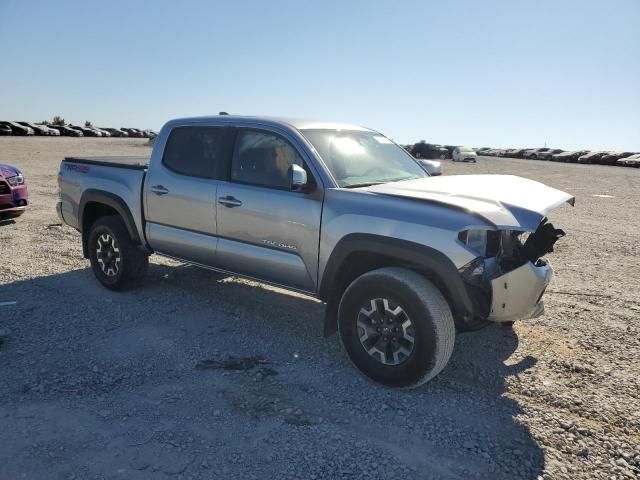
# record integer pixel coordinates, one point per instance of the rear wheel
(396, 327)
(116, 260)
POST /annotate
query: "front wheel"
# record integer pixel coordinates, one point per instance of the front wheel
(396, 327)
(116, 260)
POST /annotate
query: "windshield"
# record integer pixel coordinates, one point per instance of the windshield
(357, 158)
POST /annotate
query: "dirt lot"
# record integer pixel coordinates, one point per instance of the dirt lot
(100, 385)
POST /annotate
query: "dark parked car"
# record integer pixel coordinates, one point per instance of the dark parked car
(37, 129)
(483, 150)
(428, 150)
(550, 153)
(87, 132)
(115, 132)
(5, 129)
(570, 156)
(612, 158)
(13, 192)
(514, 152)
(494, 152)
(17, 129)
(68, 132)
(541, 153)
(507, 153)
(103, 133)
(592, 157)
(538, 153)
(50, 131)
(133, 132)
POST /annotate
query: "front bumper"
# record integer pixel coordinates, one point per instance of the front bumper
(517, 295)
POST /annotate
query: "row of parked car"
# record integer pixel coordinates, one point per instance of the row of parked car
(623, 159)
(29, 128)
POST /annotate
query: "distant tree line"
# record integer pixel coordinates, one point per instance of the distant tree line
(58, 120)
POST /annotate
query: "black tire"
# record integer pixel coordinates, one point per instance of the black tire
(431, 321)
(132, 262)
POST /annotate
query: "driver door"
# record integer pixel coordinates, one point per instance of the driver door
(265, 230)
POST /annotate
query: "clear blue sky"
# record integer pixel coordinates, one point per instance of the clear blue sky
(496, 73)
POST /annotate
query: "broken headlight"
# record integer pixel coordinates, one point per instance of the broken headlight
(473, 272)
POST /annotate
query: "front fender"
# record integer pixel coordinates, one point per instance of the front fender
(429, 261)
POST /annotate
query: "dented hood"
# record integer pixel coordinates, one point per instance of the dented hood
(505, 201)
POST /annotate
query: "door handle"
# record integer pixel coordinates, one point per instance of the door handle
(159, 190)
(229, 201)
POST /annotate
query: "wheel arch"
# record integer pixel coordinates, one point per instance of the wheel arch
(356, 254)
(95, 204)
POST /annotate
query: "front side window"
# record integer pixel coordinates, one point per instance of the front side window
(196, 151)
(361, 158)
(263, 159)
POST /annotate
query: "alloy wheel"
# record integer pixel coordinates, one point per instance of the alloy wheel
(108, 255)
(385, 331)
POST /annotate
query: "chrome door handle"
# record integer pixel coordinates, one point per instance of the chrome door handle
(159, 190)
(229, 201)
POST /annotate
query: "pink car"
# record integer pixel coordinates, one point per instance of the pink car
(13, 192)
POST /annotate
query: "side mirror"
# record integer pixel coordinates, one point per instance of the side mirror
(297, 177)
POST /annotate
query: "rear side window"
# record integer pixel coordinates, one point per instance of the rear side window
(198, 151)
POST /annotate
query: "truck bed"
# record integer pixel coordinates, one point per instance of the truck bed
(134, 163)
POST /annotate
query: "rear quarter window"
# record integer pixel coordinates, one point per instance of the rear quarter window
(198, 151)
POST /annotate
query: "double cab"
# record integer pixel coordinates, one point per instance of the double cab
(402, 260)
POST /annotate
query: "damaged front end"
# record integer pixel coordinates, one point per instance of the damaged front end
(509, 276)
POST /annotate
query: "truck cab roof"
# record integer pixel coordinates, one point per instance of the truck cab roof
(298, 124)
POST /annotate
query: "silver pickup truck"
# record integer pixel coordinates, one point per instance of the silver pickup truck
(340, 212)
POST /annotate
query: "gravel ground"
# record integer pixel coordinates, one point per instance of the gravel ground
(101, 385)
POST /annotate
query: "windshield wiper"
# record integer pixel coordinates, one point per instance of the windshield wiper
(391, 180)
(367, 184)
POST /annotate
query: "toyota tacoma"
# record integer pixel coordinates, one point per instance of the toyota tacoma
(401, 259)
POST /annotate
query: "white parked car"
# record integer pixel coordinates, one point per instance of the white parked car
(464, 154)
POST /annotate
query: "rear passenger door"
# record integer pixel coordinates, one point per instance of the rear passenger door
(266, 230)
(180, 192)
